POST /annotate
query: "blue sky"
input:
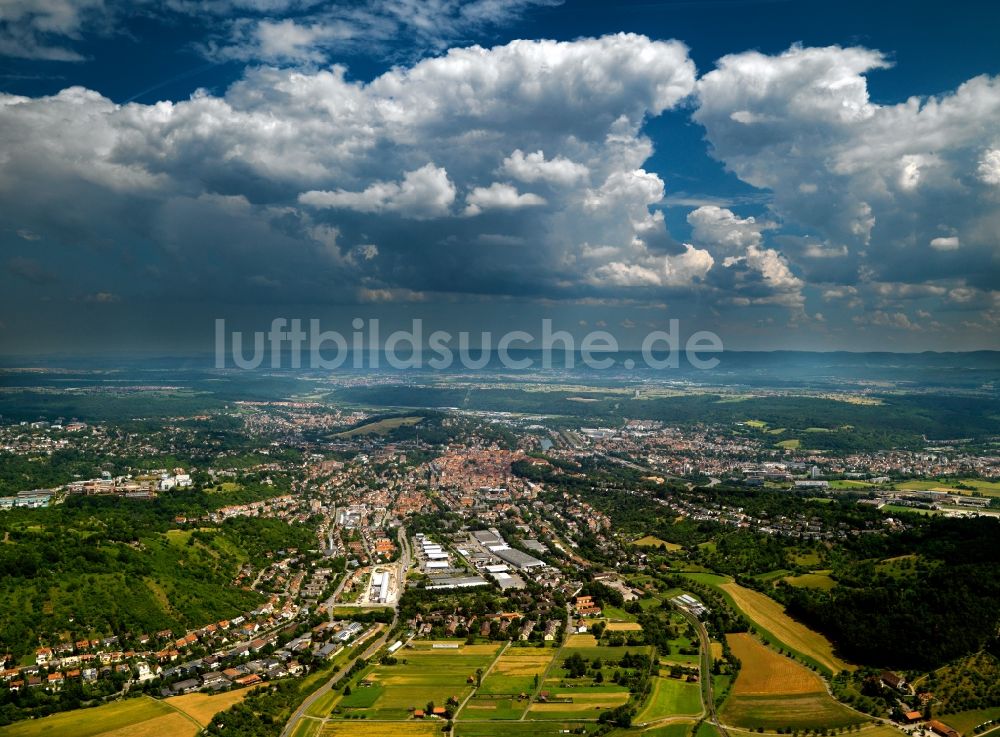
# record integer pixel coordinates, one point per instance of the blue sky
(832, 182)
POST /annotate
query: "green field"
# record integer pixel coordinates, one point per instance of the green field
(966, 721)
(674, 729)
(422, 675)
(813, 580)
(670, 697)
(986, 488)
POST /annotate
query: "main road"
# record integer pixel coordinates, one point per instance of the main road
(299, 713)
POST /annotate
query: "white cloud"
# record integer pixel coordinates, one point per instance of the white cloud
(534, 168)
(499, 196)
(306, 163)
(802, 122)
(722, 229)
(989, 167)
(423, 193)
(949, 243)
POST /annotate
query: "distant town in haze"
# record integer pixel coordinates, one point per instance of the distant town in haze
(499, 368)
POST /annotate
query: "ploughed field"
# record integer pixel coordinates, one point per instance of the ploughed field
(773, 691)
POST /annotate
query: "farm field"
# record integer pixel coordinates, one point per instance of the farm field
(429, 728)
(141, 717)
(674, 729)
(773, 691)
(670, 697)
(514, 672)
(769, 615)
(205, 706)
(986, 488)
(519, 729)
(380, 427)
(423, 674)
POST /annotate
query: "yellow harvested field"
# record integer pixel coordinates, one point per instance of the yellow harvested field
(623, 627)
(770, 615)
(765, 672)
(584, 640)
(175, 725)
(429, 728)
(716, 649)
(205, 706)
(515, 663)
(584, 702)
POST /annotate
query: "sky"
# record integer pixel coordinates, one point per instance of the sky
(787, 174)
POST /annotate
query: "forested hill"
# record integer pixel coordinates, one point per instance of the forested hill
(944, 605)
(99, 567)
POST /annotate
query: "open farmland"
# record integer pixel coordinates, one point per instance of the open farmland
(514, 672)
(202, 707)
(770, 616)
(423, 674)
(379, 427)
(670, 697)
(773, 691)
(141, 717)
(429, 728)
(518, 729)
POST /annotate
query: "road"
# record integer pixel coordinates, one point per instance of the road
(404, 565)
(297, 715)
(707, 687)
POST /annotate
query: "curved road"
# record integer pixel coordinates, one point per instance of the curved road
(708, 688)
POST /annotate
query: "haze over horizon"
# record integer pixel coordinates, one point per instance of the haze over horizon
(788, 175)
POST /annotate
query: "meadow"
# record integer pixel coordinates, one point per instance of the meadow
(670, 697)
(773, 691)
(422, 674)
(181, 716)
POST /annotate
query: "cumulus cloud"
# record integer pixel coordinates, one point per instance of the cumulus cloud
(424, 192)
(499, 196)
(533, 167)
(873, 178)
(291, 174)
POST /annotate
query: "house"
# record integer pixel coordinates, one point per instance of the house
(551, 627)
(439, 711)
(418, 713)
(251, 680)
(894, 681)
(586, 607)
(912, 716)
(940, 728)
(43, 655)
